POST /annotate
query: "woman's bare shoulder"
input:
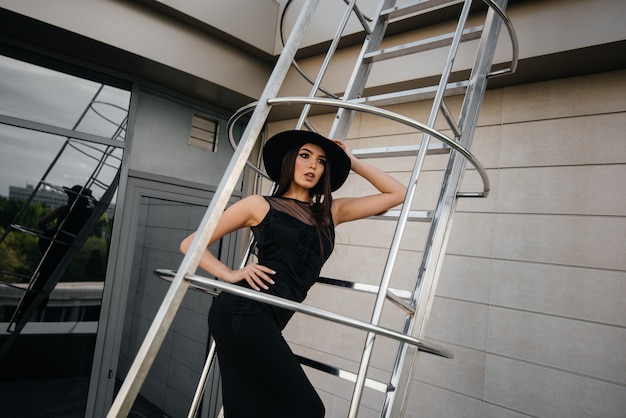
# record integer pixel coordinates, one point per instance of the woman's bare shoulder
(255, 200)
(255, 206)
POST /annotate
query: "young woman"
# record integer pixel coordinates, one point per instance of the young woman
(294, 231)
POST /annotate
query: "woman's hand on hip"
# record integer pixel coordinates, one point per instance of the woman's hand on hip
(256, 275)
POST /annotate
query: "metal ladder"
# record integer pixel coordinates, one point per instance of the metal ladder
(416, 303)
(106, 162)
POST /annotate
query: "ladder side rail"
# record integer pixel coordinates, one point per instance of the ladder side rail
(360, 73)
(429, 271)
(394, 406)
(468, 121)
(384, 283)
(204, 377)
(438, 237)
(331, 51)
(437, 104)
(400, 226)
(447, 70)
(165, 315)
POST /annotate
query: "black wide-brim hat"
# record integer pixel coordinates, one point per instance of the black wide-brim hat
(278, 145)
(77, 190)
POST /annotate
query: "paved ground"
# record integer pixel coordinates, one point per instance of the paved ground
(58, 398)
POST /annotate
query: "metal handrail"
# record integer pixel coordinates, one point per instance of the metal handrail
(375, 111)
(322, 71)
(206, 282)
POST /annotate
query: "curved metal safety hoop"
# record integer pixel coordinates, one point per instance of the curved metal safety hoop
(515, 45)
(353, 8)
(371, 110)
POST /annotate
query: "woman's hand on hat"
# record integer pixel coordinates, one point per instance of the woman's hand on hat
(256, 275)
(344, 146)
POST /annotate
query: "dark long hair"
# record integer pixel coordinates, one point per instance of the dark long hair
(321, 197)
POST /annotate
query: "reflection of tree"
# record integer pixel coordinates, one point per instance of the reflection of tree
(90, 262)
(10, 207)
(19, 254)
(12, 257)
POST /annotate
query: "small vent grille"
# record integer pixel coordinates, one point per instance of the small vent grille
(203, 133)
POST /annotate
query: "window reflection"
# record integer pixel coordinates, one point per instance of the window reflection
(42, 95)
(57, 199)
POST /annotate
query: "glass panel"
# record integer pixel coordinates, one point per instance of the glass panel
(57, 199)
(42, 95)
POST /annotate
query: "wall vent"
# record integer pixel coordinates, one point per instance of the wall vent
(203, 133)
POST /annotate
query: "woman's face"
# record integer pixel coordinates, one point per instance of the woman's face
(310, 165)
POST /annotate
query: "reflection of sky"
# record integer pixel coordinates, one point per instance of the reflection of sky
(38, 94)
(27, 155)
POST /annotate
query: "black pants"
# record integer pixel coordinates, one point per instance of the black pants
(261, 377)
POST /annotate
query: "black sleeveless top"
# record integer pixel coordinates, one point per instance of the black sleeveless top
(289, 242)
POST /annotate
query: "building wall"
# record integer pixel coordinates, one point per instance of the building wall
(164, 124)
(530, 298)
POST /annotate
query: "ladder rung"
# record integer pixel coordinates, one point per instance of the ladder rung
(401, 302)
(414, 215)
(400, 151)
(417, 7)
(413, 95)
(422, 45)
(362, 287)
(169, 275)
(343, 374)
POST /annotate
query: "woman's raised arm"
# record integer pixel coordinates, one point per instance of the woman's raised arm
(391, 193)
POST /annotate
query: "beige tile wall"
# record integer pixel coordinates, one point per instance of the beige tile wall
(532, 294)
